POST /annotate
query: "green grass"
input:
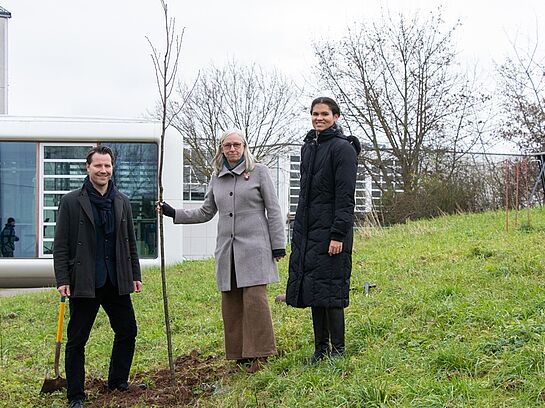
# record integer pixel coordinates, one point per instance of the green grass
(457, 320)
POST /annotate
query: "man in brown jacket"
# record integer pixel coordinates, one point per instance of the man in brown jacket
(96, 264)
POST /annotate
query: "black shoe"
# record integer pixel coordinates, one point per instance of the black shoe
(337, 353)
(317, 356)
(124, 386)
(76, 404)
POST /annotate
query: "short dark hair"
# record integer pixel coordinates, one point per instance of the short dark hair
(100, 150)
(10, 220)
(327, 101)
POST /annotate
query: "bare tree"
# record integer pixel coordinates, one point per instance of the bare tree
(401, 91)
(522, 87)
(263, 104)
(166, 70)
(468, 133)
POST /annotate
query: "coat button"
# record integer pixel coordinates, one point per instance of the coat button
(79, 242)
(81, 222)
(231, 193)
(79, 262)
(230, 214)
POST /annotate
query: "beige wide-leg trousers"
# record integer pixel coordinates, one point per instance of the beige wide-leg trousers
(247, 323)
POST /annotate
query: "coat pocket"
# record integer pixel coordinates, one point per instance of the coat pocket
(252, 268)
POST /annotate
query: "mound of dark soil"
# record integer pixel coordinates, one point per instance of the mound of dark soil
(195, 378)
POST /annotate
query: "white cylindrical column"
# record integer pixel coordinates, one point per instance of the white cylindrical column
(4, 15)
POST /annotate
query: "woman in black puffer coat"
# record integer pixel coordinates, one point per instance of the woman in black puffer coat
(321, 258)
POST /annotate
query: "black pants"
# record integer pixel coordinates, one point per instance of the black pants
(328, 324)
(83, 312)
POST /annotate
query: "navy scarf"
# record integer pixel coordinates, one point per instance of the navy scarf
(232, 166)
(104, 205)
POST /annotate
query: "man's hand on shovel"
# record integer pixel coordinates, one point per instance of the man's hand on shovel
(64, 290)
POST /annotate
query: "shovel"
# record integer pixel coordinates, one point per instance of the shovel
(57, 383)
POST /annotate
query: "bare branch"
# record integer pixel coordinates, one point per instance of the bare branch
(523, 96)
(397, 84)
(262, 104)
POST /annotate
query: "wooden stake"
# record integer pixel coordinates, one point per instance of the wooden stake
(525, 172)
(517, 171)
(506, 196)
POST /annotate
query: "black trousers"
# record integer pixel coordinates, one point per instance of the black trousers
(328, 324)
(83, 312)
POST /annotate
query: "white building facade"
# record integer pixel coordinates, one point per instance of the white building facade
(4, 16)
(41, 159)
(199, 239)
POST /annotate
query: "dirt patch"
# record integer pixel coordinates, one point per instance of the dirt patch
(196, 377)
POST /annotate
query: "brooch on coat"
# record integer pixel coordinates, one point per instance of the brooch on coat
(246, 175)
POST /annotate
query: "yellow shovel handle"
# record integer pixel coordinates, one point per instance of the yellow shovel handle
(61, 320)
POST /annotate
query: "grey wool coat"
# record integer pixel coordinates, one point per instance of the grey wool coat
(250, 225)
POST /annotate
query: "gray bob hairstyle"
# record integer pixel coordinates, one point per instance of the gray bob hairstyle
(249, 159)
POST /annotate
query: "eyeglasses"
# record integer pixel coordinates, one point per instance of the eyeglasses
(227, 146)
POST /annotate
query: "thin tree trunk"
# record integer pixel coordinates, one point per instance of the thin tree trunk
(165, 75)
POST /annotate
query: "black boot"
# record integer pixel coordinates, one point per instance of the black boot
(335, 317)
(321, 334)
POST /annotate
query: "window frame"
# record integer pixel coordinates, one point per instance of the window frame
(40, 233)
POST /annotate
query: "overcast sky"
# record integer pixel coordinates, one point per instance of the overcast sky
(83, 58)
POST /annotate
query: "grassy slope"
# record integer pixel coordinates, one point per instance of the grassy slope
(456, 320)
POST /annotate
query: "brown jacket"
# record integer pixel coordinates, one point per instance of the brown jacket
(74, 249)
(249, 225)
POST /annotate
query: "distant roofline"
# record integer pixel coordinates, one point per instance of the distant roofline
(4, 13)
(62, 129)
(75, 119)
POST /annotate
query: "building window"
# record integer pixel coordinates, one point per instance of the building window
(18, 194)
(294, 183)
(361, 193)
(195, 182)
(135, 175)
(63, 169)
(35, 176)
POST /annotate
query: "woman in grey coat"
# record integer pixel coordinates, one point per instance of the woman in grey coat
(250, 239)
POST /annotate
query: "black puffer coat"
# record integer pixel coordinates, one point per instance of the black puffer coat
(325, 212)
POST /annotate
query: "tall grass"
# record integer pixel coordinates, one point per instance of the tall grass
(456, 320)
